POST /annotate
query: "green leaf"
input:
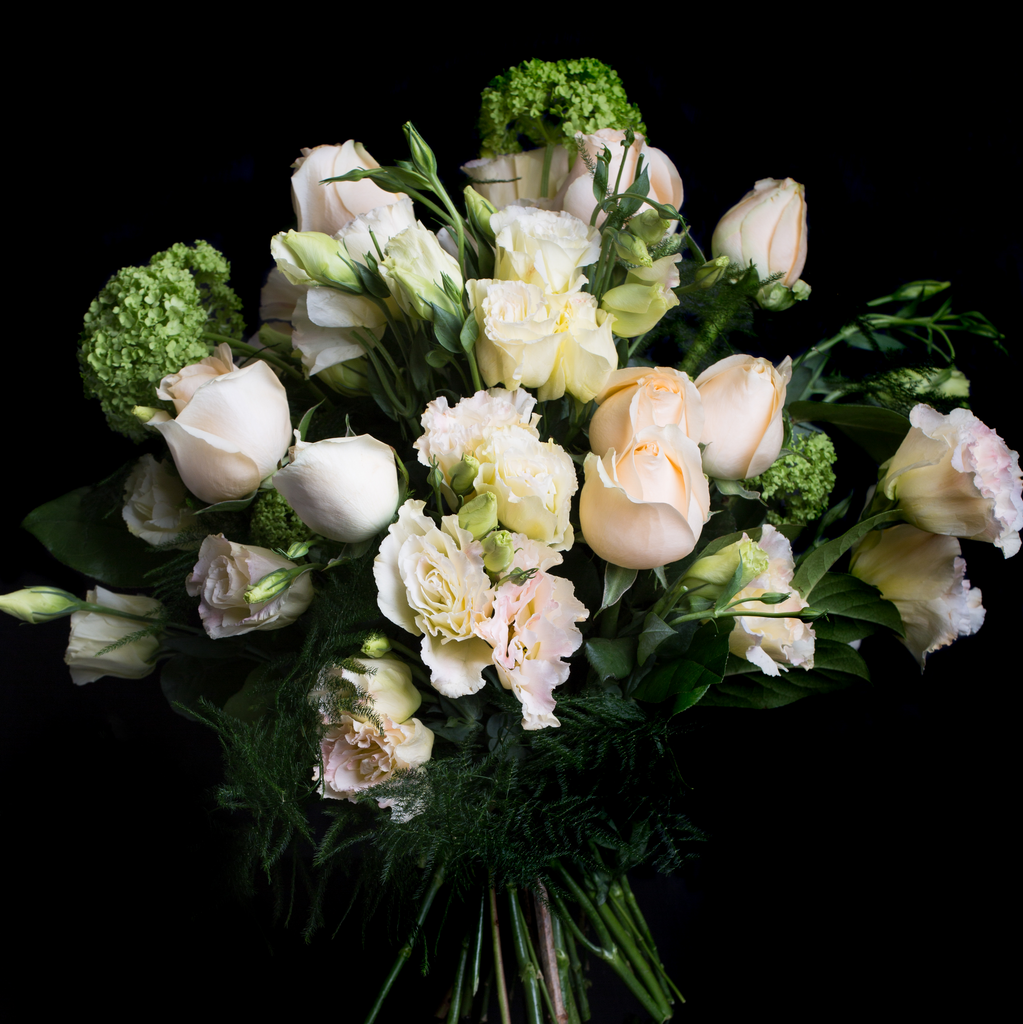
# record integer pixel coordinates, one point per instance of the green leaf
(447, 328)
(817, 563)
(611, 659)
(92, 539)
(655, 632)
(878, 431)
(616, 582)
(841, 594)
(469, 332)
(233, 505)
(185, 679)
(688, 678)
(303, 426)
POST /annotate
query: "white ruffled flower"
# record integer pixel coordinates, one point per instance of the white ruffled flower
(155, 508)
(92, 632)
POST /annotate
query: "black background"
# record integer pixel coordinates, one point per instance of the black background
(856, 841)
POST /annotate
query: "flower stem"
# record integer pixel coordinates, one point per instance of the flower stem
(406, 951)
(528, 970)
(495, 934)
(455, 1007)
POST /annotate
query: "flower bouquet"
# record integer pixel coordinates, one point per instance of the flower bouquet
(445, 550)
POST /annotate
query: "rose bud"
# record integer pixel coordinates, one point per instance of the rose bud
(743, 398)
(768, 228)
(344, 488)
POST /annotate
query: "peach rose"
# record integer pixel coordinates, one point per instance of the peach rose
(647, 506)
(743, 398)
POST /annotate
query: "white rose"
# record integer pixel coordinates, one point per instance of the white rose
(533, 482)
(357, 755)
(328, 208)
(923, 575)
(431, 582)
(155, 508)
(344, 488)
(555, 343)
(91, 632)
(225, 571)
(743, 398)
(576, 195)
(232, 433)
(179, 387)
(769, 643)
(543, 248)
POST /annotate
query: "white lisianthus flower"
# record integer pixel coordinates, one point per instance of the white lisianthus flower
(529, 338)
(221, 577)
(357, 755)
(414, 268)
(344, 488)
(772, 644)
(533, 627)
(543, 248)
(381, 224)
(328, 325)
(506, 179)
(954, 475)
(154, 503)
(231, 434)
(387, 683)
(533, 482)
(92, 632)
(431, 581)
(923, 575)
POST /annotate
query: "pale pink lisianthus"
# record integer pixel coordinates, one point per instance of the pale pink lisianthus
(954, 475)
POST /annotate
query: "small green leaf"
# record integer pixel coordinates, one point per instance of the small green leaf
(611, 659)
(878, 431)
(303, 426)
(616, 582)
(843, 595)
(92, 540)
(469, 332)
(655, 632)
(688, 678)
(447, 328)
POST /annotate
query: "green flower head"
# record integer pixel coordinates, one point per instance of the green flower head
(797, 487)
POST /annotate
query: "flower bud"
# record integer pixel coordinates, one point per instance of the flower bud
(710, 273)
(422, 156)
(376, 646)
(92, 632)
(415, 267)
(712, 572)
(649, 226)
(347, 378)
(498, 552)
(39, 604)
(464, 475)
(479, 516)
(273, 584)
(480, 210)
(632, 249)
(305, 257)
(776, 297)
(644, 298)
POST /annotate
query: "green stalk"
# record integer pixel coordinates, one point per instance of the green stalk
(406, 951)
(546, 175)
(638, 960)
(527, 969)
(455, 1008)
(495, 934)
(564, 968)
(578, 980)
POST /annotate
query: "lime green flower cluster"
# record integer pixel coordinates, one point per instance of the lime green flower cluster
(548, 102)
(797, 487)
(151, 321)
(274, 523)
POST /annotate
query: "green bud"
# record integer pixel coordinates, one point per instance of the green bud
(919, 290)
(39, 604)
(348, 378)
(305, 257)
(298, 549)
(649, 226)
(777, 296)
(710, 273)
(144, 413)
(498, 551)
(376, 646)
(463, 476)
(273, 584)
(632, 249)
(712, 572)
(479, 516)
(422, 155)
(480, 211)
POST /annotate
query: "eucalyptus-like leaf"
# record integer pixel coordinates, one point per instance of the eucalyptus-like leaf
(878, 431)
(611, 659)
(655, 632)
(616, 582)
(303, 426)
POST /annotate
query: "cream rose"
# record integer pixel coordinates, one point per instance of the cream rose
(772, 644)
(503, 180)
(528, 338)
(225, 571)
(743, 398)
(231, 434)
(923, 575)
(533, 482)
(154, 503)
(954, 475)
(768, 228)
(543, 248)
(179, 387)
(92, 632)
(357, 755)
(576, 195)
(647, 506)
(344, 488)
(639, 397)
(328, 208)
(431, 582)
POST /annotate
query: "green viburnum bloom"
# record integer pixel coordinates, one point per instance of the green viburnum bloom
(274, 523)
(548, 102)
(797, 487)
(150, 321)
